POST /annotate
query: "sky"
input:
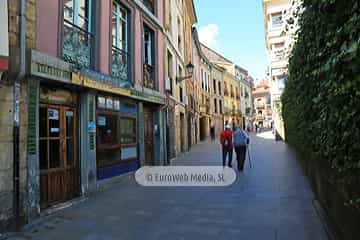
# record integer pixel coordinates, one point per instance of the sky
(235, 29)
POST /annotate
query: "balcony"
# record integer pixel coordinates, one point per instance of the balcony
(149, 4)
(260, 117)
(278, 55)
(119, 65)
(260, 105)
(149, 76)
(77, 45)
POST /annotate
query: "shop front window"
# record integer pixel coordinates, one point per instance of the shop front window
(116, 132)
(128, 131)
(108, 128)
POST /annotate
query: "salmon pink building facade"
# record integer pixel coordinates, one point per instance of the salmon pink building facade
(96, 96)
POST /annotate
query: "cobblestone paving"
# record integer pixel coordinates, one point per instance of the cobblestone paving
(272, 200)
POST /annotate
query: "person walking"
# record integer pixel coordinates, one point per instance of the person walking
(227, 144)
(240, 140)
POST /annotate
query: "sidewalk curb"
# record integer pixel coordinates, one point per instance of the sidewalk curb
(105, 184)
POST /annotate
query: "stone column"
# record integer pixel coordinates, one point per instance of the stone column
(141, 133)
(87, 119)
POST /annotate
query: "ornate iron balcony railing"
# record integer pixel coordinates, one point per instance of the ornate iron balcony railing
(149, 76)
(77, 45)
(149, 4)
(120, 64)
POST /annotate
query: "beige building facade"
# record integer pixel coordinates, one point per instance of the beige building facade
(262, 104)
(274, 12)
(175, 68)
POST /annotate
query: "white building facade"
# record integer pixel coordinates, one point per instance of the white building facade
(276, 39)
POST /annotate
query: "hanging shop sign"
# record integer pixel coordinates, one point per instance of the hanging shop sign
(45, 66)
(45, 71)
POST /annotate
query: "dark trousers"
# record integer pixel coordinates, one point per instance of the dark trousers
(240, 156)
(227, 151)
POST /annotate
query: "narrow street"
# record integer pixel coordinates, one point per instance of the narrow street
(273, 200)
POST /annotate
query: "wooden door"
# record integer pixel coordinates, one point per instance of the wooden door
(59, 168)
(149, 137)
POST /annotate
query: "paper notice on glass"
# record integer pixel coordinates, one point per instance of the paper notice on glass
(54, 130)
(53, 114)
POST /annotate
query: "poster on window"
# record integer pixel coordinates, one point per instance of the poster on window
(109, 103)
(117, 105)
(102, 121)
(53, 114)
(101, 102)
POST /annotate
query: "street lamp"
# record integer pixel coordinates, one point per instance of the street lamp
(189, 70)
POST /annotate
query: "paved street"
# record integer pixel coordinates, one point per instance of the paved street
(272, 200)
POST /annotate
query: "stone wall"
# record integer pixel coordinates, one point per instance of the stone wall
(6, 114)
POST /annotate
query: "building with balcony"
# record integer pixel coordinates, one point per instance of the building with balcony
(245, 95)
(94, 84)
(231, 86)
(177, 95)
(262, 104)
(276, 41)
(203, 71)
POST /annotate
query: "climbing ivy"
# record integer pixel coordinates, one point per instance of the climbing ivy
(321, 101)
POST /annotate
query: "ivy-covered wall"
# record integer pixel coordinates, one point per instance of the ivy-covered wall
(321, 101)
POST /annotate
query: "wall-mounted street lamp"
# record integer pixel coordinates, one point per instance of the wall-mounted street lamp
(189, 70)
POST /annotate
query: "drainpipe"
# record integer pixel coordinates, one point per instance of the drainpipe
(16, 112)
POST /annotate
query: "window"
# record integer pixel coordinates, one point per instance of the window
(148, 46)
(181, 94)
(220, 107)
(202, 79)
(78, 36)
(215, 106)
(170, 72)
(108, 130)
(128, 130)
(219, 83)
(179, 35)
(150, 5)
(169, 18)
(281, 82)
(278, 45)
(276, 19)
(119, 31)
(214, 84)
(149, 57)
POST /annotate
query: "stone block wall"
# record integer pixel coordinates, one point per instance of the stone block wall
(6, 113)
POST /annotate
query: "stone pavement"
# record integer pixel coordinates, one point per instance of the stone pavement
(272, 200)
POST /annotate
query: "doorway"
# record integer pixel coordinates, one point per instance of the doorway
(182, 132)
(149, 137)
(59, 167)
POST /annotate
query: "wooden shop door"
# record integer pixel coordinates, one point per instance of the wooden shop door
(149, 136)
(59, 167)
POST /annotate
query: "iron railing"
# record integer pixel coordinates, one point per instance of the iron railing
(120, 64)
(149, 76)
(149, 4)
(77, 45)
